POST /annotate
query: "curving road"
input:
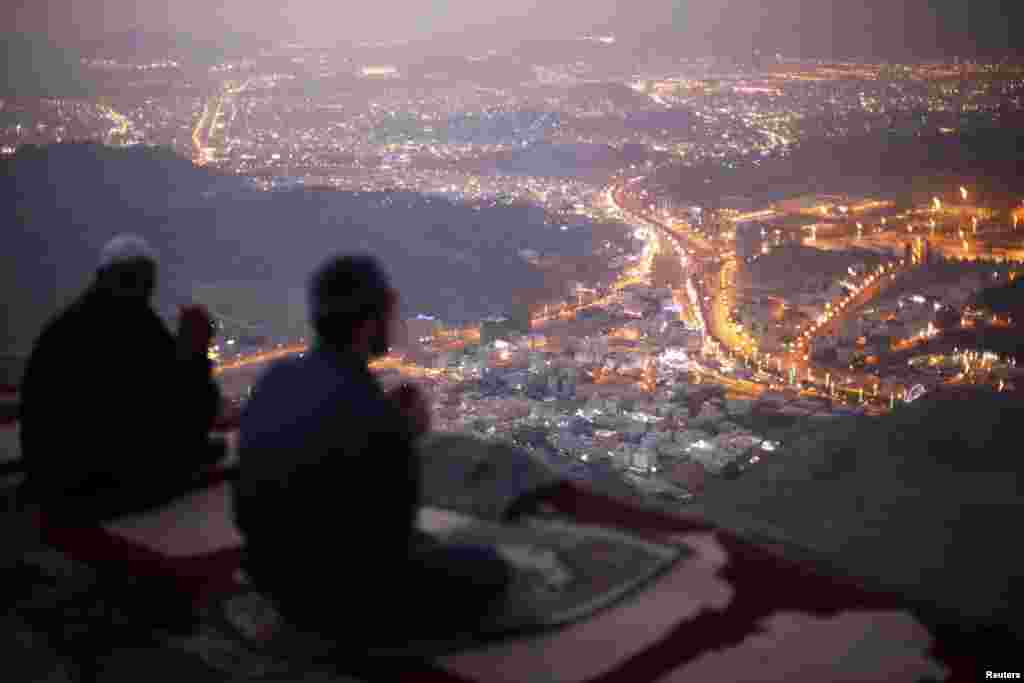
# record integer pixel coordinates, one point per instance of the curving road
(720, 290)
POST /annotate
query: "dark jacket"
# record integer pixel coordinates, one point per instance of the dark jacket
(329, 486)
(111, 416)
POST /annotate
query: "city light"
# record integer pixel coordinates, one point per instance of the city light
(271, 134)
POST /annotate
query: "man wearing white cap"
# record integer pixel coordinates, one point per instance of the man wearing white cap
(116, 410)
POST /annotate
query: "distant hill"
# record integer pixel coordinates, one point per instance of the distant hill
(985, 159)
(924, 502)
(561, 160)
(61, 204)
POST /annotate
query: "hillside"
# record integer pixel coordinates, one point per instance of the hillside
(62, 203)
(924, 501)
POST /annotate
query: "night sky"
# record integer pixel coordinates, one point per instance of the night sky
(882, 28)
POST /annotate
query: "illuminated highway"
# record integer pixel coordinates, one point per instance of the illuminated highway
(257, 358)
(386, 363)
(202, 135)
(202, 126)
(721, 290)
(693, 309)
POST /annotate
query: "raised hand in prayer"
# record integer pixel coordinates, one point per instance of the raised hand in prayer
(195, 330)
(413, 405)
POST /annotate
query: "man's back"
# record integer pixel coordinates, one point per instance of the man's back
(329, 485)
(327, 475)
(105, 400)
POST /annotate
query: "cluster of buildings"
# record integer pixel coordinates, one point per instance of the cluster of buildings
(45, 121)
(698, 110)
(879, 329)
(610, 391)
(652, 436)
(896, 322)
(1004, 370)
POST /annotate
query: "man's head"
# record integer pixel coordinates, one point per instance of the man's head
(127, 269)
(352, 305)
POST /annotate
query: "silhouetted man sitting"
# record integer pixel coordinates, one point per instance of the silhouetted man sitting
(115, 411)
(329, 487)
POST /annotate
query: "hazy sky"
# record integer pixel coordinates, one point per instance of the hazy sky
(314, 20)
(727, 26)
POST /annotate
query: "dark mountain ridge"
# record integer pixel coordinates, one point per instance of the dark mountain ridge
(62, 203)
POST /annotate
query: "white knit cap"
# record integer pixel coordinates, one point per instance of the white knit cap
(126, 248)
